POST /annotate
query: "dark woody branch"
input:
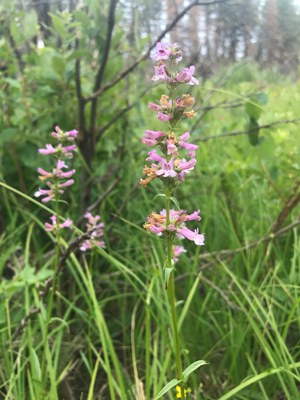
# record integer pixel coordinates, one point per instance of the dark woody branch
(127, 71)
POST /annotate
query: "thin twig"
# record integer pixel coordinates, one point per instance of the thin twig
(146, 55)
(250, 245)
(247, 131)
(101, 198)
(121, 113)
(289, 205)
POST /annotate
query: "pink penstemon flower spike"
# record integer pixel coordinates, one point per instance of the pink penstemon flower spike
(171, 160)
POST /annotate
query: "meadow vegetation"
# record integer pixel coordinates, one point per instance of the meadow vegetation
(109, 335)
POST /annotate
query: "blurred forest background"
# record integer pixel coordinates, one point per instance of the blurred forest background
(85, 64)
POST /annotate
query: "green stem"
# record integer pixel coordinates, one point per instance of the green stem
(171, 294)
(51, 294)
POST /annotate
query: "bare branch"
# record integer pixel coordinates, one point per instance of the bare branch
(127, 71)
(104, 60)
(250, 245)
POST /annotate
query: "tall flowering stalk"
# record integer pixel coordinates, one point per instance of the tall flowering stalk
(57, 180)
(171, 160)
(55, 183)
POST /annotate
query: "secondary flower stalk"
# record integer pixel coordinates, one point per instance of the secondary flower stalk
(59, 177)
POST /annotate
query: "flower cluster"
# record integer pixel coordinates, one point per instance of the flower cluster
(54, 226)
(167, 111)
(173, 155)
(157, 224)
(59, 177)
(168, 55)
(170, 166)
(95, 229)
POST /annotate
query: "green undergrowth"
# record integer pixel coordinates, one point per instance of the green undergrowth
(110, 336)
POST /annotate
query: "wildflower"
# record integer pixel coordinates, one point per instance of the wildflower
(54, 225)
(58, 150)
(166, 168)
(179, 394)
(188, 146)
(49, 193)
(154, 107)
(56, 172)
(95, 229)
(165, 51)
(154, 156)
(186, 76)
(157, 224)
(162, 51)
(189, 114)
(161, 74)
(177, 251)
(150, 137)
(164, 117)
(187, 166)
(187, 101)
(62, 136)
(194, 236)
(48, 150)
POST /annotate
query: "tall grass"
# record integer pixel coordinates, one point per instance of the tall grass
(109, 338)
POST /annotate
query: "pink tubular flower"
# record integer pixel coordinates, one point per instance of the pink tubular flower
(177, 251)
(187, 166)
(194, 216)
(61, 135)
(164, 117)
(59, 150)
(154, 107)
(54, 226)
(149, 142)
(190, 147)
(186, 76)
(165, 51)
(171, 148)
(150, 137)
(162, 51)
(185, 136)
(166, 169)
(161, 74)
(68, 183)
(194, 236)
(68, 150)
(153, 156)
(50, 195)
(48, 150)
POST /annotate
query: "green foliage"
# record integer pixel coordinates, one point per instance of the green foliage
(240, 314)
